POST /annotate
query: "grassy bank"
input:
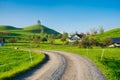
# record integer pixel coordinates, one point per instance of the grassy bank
(13, 62)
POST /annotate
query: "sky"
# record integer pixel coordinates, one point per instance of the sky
(62, 15)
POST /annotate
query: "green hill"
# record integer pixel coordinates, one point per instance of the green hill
(6, 27)
(37, 29)
(114, 33)
(29, 30)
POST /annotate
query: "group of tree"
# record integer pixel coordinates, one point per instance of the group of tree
(94, 31)
(87, 42)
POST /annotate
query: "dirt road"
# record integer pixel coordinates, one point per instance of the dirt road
(64, 66)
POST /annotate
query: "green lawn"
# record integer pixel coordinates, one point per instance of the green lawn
(13, 62)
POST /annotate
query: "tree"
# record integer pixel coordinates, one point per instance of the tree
(107, 41)
(51, 38)
(87, 33)
(64, 37)
(93, 41)
(42, 30)
(38, 22)
(44, 39)
(93, 31)
(36, 39)
(101, 30)
(84, 43)
(76, 42)
(58, 36)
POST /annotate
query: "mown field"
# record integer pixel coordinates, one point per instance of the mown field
(14, 62)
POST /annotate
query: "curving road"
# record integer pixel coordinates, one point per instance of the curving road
(63, 66)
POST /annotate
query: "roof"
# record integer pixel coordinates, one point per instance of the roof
(116, 40)
(76, 36)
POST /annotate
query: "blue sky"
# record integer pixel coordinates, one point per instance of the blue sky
(61, 15)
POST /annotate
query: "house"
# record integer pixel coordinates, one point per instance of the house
(116, 42)
(2, 41)
(75, 37)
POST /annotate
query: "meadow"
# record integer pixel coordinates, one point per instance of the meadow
(14, 62)
(109, 64)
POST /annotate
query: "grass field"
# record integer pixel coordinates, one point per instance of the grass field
(13, 62)
(109, 64)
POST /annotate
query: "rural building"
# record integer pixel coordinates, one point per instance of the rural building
(75, 37)
(116, 42)
(2, 41)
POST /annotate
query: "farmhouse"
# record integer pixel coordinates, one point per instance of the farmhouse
(2, 41)
(116, 42)
(75, 37)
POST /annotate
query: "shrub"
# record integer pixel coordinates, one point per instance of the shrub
(107, 41)
(93, 42)
(84, 43)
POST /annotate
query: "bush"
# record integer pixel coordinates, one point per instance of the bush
(66, 42)
(107, 41)
(44, 39)
(94, 42)
(76, 42)
(84, 43)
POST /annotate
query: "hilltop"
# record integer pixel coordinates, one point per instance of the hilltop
(37, 29)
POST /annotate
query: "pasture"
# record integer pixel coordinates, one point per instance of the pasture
(109, 64)
(13, 62)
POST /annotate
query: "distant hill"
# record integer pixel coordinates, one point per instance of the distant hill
(29, 30)
(37, 29)
(5, 27)
(113, 33)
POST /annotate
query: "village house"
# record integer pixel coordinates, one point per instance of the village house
(2, 41)
(116, 42)
(75, 37)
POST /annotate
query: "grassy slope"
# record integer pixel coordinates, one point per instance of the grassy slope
(5, 27)
(29, 30)
(13, 62)
(114, 33)
(37, 28)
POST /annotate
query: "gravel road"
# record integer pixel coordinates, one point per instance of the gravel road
(63, 66)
